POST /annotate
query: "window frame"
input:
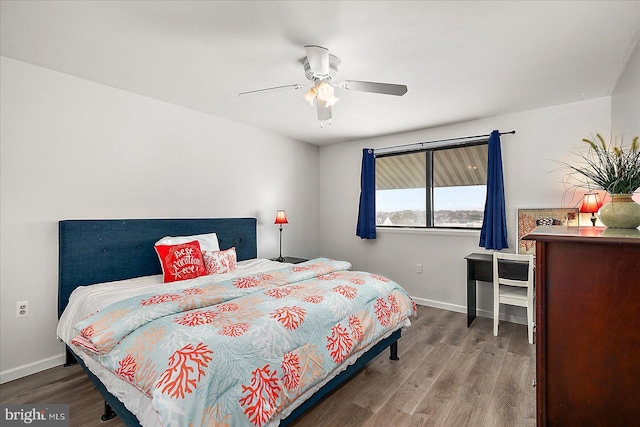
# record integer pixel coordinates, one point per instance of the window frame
(429, 186)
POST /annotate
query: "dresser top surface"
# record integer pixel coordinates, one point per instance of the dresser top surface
(586, 234)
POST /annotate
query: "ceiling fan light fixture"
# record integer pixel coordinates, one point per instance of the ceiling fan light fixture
(326, 93)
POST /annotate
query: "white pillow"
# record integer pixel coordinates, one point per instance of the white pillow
(208, 242)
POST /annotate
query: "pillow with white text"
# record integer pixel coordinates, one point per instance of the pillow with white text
(181, 262)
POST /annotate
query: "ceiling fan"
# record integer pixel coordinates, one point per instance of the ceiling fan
(322, 69)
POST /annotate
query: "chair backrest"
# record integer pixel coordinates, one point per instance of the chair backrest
(509, 269)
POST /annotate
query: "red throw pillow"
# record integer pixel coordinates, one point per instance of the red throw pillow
(218, 262)
(181, 262)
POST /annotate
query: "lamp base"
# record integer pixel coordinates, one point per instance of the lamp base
(279, 259)
(593, 219)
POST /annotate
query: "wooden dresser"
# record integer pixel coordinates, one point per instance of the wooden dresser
(588, 326)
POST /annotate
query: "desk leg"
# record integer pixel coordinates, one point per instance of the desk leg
(471, 293)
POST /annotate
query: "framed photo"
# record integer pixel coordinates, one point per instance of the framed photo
(528, 219)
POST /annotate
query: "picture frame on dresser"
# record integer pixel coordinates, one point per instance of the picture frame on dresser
(529, 219)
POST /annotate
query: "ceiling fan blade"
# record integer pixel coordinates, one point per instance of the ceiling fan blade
(272, 89)
(383, 88)
(318, 58)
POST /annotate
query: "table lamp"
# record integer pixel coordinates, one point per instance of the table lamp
(590, 204)
(281, 218)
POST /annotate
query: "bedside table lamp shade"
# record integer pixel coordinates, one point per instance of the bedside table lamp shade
(591, 204)
(281, 218)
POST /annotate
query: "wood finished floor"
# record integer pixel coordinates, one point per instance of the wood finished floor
(447, 375)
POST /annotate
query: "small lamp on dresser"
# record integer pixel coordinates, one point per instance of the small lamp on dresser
(591, 204)
(281, 218)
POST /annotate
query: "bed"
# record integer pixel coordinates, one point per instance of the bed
(110, 267)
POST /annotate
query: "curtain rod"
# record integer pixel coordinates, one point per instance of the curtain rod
(435, 144)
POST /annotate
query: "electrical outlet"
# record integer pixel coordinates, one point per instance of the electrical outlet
(22, 309)
(419, 268)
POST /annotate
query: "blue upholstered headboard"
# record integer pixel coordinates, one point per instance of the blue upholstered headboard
(96, 251)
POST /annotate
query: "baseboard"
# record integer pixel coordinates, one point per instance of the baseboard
(31, 368)
(507, 317)
(439, 304)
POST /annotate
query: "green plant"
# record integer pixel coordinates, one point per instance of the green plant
(607, 166)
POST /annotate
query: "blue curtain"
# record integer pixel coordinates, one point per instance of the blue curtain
(366, 228)
(494, 224)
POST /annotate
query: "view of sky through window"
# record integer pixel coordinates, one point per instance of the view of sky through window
(453, 206)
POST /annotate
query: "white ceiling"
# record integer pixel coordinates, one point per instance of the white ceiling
(460, 60)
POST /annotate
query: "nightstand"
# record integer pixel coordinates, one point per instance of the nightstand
(291, 260)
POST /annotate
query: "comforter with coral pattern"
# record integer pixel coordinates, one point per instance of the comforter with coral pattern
(239, 352)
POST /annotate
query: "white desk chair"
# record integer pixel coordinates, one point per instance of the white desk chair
(512, 291)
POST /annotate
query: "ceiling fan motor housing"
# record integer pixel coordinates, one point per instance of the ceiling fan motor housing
(334, 67)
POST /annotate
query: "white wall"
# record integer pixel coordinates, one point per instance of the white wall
(625, 100)
(72, 149)
(532, 180)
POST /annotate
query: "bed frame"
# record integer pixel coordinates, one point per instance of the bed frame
(96, 251)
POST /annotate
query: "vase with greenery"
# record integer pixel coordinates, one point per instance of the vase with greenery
(616, 170)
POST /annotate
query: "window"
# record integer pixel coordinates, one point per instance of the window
(435, 188)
